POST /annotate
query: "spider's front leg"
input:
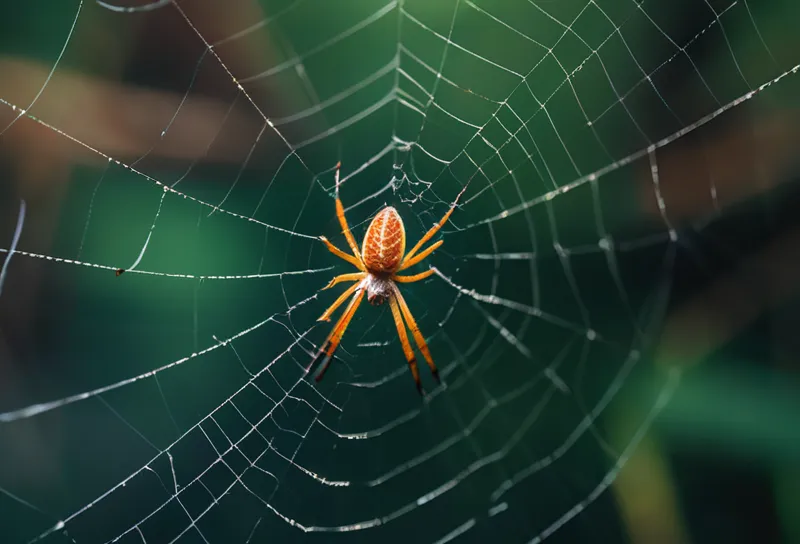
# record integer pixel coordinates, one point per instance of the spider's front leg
(341, 254)
(351, 241)
(410, 258)
(354, 259)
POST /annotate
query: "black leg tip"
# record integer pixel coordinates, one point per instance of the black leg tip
(436, 376)
(323, 361)
(323, 367)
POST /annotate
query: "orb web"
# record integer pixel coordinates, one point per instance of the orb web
(167, 399)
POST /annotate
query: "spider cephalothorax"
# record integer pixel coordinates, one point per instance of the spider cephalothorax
(381, 257)
(378, 288)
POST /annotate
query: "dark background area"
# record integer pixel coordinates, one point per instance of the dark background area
(624, 316)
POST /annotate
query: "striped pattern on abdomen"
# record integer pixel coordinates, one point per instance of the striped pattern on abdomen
(385, 242)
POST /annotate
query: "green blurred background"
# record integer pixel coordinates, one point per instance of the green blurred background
(606, 381)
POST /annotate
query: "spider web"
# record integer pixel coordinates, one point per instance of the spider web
(171, 404)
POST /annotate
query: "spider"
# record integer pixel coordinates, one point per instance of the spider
(381, 257)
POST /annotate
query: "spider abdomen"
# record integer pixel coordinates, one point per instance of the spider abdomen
(385, 242)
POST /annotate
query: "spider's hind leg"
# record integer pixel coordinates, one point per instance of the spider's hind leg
(409, 353)
(326, 362)
(415, 332)
(330, 345)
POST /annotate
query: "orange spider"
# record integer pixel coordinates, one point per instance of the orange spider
(381, 257)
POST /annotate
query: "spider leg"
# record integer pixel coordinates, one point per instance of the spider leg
(341, 254)
(433, 230)
(355, 276)
(420, 256)
(338, 302)
(343, 220)
(415, 332)
(415, 277)
(335, 337)
(409, 353)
